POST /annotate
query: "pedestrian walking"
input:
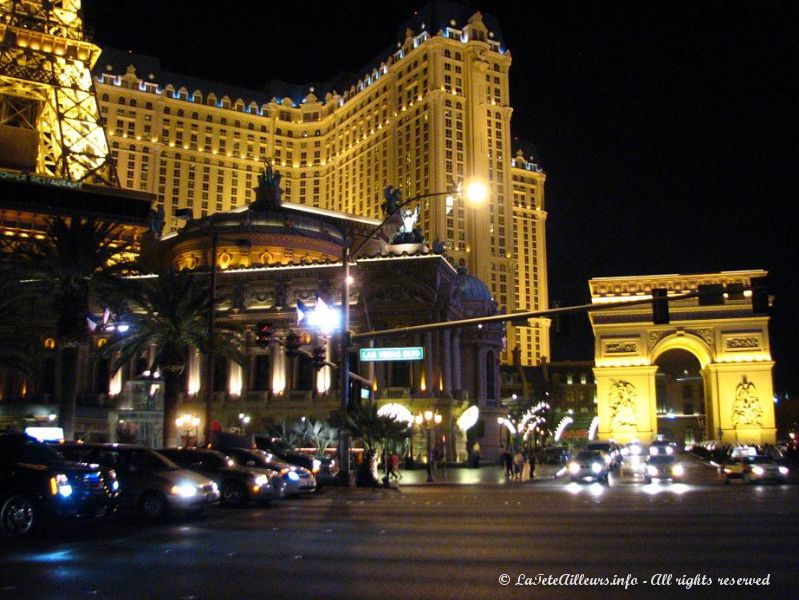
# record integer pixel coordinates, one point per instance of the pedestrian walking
(518, 464)
(507, 459)
(395, 466)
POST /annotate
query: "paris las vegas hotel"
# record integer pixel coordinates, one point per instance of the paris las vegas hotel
(432, 110)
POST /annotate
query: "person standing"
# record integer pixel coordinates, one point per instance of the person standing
(531, 459)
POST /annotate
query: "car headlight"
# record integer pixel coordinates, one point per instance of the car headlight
(596, 468)
(783, 470)
(651, 470)
(654, 450)
(214, 487)
(677, 470)
(574, 468)
(293, 476)
(261, 480)
(59, 484)
(184, 489)
(757, 470)
(317, 464)
(669, 450)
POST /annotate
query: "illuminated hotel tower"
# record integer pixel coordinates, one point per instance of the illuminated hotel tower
(431, 111)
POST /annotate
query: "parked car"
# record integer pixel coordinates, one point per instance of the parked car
(238, 485)
(148, 482)
(296, 480)
(663, 467)
(323, 467)
(37, 485)
(589, 464)
(754, 469)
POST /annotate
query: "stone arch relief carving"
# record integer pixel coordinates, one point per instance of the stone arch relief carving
(746, 409)
(622, 402)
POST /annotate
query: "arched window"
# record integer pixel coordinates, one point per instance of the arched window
(104, 97)
(122, 101)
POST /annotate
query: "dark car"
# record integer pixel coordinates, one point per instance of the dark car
(589, 464)
(238, 485)
(37, 484)
(663, 467)
(148, 482)
(610, 451)
(296, 480)
(323, 467)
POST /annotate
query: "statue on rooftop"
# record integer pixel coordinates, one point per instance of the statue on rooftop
(268, 192)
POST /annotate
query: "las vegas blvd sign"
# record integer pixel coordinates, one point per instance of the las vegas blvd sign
(384, 354)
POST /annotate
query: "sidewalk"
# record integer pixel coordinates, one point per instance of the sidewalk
(486, 475)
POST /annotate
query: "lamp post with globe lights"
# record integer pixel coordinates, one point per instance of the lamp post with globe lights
(476, 192)
(428, 421)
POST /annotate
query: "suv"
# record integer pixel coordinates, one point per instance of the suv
(237, 484)
(148, 482)
(36, 483)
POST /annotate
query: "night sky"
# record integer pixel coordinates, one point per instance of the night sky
(668, 130)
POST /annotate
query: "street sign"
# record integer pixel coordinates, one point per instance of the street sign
(385, 354)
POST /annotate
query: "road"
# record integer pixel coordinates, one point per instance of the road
(440, 541)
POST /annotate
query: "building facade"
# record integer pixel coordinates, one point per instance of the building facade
(429, 113)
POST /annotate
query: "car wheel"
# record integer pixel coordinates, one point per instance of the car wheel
(234, 493)
(153, 506)
(18, 516)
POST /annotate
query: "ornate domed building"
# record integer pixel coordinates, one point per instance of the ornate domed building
(274, 259)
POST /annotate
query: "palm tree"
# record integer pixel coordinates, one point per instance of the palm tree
(373, 430)
(317, 433)
(59, 272)
(167, 312)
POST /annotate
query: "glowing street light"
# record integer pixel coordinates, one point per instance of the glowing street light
(428, 421)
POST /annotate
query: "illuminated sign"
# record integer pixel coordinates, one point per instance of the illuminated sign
(385, 354)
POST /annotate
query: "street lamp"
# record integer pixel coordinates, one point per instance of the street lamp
(244, 420)
(187, 423)
(428, 421)
(475, 191)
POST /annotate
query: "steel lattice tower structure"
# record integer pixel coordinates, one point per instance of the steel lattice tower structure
(49, 117)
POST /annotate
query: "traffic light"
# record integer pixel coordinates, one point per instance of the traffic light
(560, 321)
(263, 334)
(319, 356)
(759, 296)
(660, 306)
(293, 343)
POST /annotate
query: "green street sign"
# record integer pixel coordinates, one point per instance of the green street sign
(385, 354)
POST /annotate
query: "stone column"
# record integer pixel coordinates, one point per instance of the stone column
(446, 361)
(431, 378)
(457, 384)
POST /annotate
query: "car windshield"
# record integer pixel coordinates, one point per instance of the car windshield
(661, 460)
(588, 455)
(148, 460)
(281, 445)
(36, 452)
(759, 459)
(603, 447)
